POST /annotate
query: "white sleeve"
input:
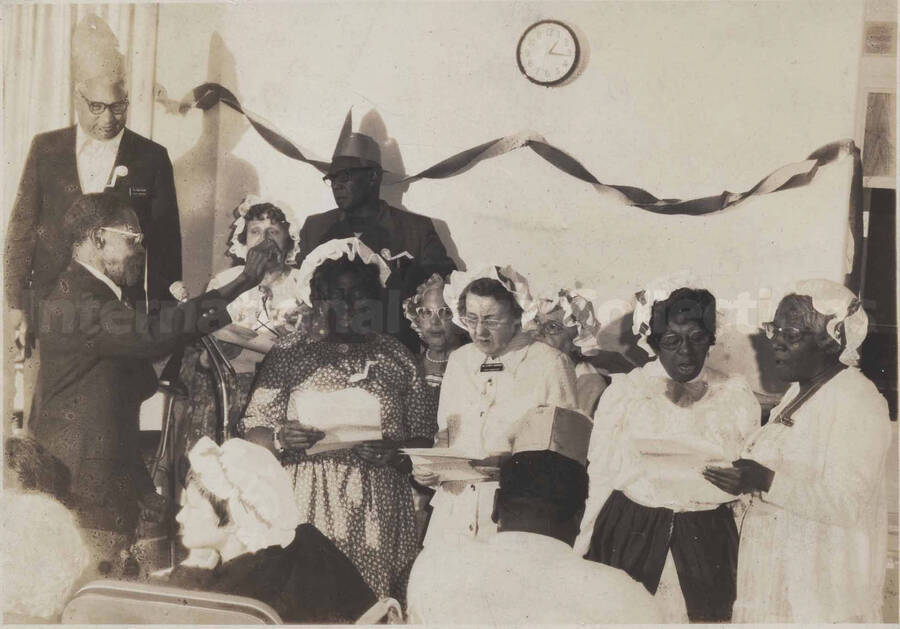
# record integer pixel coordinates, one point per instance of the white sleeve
(604, 457)
(854, 464)
(560, 384)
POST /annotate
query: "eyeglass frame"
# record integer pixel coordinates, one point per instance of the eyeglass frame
(771, 331)
(121, 105)
(542, 327)
(421, 315)
(682, 338)
(330, 178)
(138, 237)
(489, 323)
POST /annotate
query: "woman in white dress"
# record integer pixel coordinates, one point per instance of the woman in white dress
(488, 387)
(650, 512)
(814, 538)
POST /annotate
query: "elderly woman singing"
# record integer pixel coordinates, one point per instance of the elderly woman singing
(813, 540)
(488, 387)
(649, 511)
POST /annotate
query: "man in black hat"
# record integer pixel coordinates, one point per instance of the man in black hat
(407, 241)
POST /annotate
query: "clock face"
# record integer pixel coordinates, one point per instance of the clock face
(548, 52)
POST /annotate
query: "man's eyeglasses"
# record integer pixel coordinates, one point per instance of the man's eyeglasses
(790, 334)
(137, 236)
(443, 313)
(96, 107)
(671, 341)
(471, 322)
(551, 328)
(344, 176)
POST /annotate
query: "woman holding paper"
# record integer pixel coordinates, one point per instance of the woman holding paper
(337, 405)
(650, 512)
(814, 538)
(489, 385)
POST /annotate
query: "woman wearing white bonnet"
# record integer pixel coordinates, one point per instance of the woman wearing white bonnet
(813, 542)
(260, 316)
(650, 512)
(240, 523)
(488, 386)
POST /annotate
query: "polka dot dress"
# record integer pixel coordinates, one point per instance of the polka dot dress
(367, 511)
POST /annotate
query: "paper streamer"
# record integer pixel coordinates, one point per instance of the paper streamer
(790, 176)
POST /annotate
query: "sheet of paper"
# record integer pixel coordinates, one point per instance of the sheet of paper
(448, 464)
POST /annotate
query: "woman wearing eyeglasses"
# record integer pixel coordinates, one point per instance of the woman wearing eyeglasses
(432, 319)
(488, 386)
(814, 537)
(259, 317)
(650, 512)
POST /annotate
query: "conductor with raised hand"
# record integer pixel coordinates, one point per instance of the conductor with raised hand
(96, 367)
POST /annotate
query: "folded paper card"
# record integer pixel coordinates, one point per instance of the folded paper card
(347, 417)
(554, 428)
(450, 464)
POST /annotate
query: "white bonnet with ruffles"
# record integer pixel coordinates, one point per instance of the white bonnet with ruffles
(254, 484)
(578, 312)
(656, 291)
(349, 248)
(511, 280)
(847, 322)
(239, 250)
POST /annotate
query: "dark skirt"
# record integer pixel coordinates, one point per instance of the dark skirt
(704, 546)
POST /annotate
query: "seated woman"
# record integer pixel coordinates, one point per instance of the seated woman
(242, 529)
(259, 317)
(44, 554)
(488, 387)
(814, 538)
(649, 511)
(568, 324)
(355, 379)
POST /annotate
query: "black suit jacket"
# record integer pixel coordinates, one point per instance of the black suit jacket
(35, 241)
(95, 372)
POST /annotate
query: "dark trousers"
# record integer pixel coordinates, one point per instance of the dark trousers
(704, 545)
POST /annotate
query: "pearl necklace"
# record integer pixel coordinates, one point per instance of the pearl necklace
(432, 360)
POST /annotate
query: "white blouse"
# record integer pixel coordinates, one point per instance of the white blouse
(654, 451)
(482, 409)
(813, 548)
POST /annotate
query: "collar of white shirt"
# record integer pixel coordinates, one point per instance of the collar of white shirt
(515, 353)
(103, 278)
(82, 138)
(536, 544)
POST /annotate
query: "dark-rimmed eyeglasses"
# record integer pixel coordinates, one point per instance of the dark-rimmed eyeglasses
(96, 107)
(345, 175)
(443, 313)
(671, 341)
(788, 333)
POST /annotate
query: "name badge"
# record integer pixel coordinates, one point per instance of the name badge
(492, 367)
(136, 191)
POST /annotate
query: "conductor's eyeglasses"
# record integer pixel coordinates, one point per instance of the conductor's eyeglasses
(96, 107)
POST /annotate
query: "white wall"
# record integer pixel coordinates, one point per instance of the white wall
(682, 99)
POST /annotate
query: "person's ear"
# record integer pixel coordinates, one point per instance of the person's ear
(98, 239)
(495, 512)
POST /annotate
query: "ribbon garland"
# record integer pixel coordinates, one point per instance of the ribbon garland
(793, 175)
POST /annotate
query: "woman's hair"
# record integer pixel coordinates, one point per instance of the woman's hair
(489, 287)
(327, 273)
(35, 469)
(261, 212)
(810, 318)
(690, 303)
(219, 505)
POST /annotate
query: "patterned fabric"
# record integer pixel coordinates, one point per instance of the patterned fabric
(366, 511)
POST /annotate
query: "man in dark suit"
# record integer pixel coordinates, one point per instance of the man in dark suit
(355, 176)
(96, 369)
(96, 155)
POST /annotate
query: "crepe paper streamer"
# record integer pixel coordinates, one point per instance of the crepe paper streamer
(793, 175)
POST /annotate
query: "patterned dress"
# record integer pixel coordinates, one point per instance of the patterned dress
(367, 511)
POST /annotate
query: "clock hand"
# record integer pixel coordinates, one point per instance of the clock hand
(556, 54)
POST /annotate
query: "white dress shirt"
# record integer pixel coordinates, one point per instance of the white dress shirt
(482, 409)
(96, 160)
(519, 578)
(115, 288)
(814, 547)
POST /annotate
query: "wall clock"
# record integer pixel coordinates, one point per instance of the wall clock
(548, 52)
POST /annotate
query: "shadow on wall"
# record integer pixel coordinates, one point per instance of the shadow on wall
(208, 172)
(372, 124)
